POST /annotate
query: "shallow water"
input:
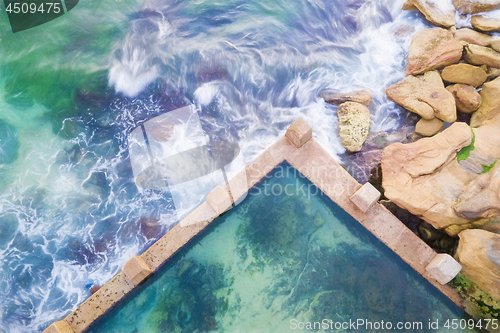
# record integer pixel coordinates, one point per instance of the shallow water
(71, 91)
(279, 260)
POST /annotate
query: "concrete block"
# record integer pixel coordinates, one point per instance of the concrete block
(365, 197)
(137, 270)
(59, 327)
(219, 200)
(443, 268)
(299, 132)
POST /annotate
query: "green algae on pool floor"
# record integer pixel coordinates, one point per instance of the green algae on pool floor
(286, 255)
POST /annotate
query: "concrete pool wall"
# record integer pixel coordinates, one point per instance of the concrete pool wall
(300, 150)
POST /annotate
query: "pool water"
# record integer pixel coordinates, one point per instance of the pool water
(274, 263)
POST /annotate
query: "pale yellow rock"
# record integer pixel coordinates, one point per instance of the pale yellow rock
(432, 12)
(492, 72)
(490, 103)
(429, 127)
(479, 254)
(337, 98)
(432, 49)
(475, 6)
(354, 125)
(485, 23)
(480, 55)
(473, 37)
(495, 44)
(424, 95)
(464, 73)
(467, 98)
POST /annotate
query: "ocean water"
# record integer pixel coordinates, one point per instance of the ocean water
(73, 89)
(277, 262)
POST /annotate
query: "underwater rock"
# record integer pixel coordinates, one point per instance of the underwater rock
(432, 12)
(424, 95)
(318, 220)
(473, 37)
(424, 177)
(9, 143)
(465, 74)
(429, 127)
(490, 105)
(485, 23)
(98, 182)
(337, 98)
(431, 49)
(481, 55)
(467, 98)
(479, 254)
(354, 125)
(475, 6)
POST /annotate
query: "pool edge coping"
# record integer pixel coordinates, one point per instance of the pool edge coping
(306, 155)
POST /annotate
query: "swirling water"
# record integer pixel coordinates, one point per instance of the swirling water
(71, 91)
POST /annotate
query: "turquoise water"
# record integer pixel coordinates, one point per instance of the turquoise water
(73, 89)
(276, 261)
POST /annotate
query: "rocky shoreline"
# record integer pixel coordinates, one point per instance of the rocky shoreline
(448, 178)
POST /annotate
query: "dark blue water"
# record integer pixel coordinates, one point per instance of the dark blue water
(277, 262)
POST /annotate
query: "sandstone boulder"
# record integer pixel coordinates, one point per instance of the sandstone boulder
(467, 98)
(485, 23)
(480, 55)
(354, 125)
(429, 127)
(473, 37)
(424, 177)
(479, 254)
(424, 95)
(431, 49)
(464, 73)
(337, 98)
(475, 6)
(433, 11)
(495, 44)
(490, 103)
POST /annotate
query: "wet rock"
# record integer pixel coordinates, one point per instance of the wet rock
(431, 49)
(479, 254)
(485, 23)
(464, 73)
(429, 127)
(475, 6)
(424, 95)
(433, 12)
(490, 105)
(467, 98)
(9, 143)
(337, 98)
(480, 55)
(354, 125)
(473, 37)
(425, 178)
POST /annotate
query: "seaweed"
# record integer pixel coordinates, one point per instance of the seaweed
(464, 153)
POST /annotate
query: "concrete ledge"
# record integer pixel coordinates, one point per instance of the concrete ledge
(204, 213)
(219, 199)
(365, 197)
(443, 268)
(137, 270)
(59, 327)
(299, 132)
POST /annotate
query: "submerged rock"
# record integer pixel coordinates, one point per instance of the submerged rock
(467, 98)
(432, 11)
(485, 23)
(424, 95)
(337, 98)
(431, 49)
(475, 6)
(354, 125)
(429, 127)
(479, 254)
(464, 73)
(490, 105)
(480, 55)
